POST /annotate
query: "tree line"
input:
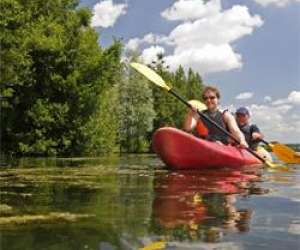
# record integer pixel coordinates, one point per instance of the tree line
(63, 94)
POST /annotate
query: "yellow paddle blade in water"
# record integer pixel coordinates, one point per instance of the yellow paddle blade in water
(274, 165)
(286, 154)
(150, 74)
(157, 245)
(262, 152)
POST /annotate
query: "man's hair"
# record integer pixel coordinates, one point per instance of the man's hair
(212, 89)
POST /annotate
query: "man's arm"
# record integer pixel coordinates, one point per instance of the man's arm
(256, 135)
(190, 121)
(234, 129)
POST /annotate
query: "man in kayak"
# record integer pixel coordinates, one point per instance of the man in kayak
(225, 119)
(251, 131)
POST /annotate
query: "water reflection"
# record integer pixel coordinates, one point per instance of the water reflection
(132, 203)
(202, 205)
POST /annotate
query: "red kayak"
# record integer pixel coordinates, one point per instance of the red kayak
(180, 150)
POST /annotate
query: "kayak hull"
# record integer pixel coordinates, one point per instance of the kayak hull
(180, 150)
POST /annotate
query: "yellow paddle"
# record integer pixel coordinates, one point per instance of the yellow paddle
(157, 80)
(157, 245)
(284, 153)
(199, 105)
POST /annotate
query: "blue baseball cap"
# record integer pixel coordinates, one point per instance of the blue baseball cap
(243, 111)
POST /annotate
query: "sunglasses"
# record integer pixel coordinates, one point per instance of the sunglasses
(209, 97)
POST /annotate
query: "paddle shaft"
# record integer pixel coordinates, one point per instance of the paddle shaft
(265, 142)
(205, 117)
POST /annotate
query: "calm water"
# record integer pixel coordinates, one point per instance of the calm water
(132, 202)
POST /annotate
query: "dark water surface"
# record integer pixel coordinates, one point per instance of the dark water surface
(132, 202)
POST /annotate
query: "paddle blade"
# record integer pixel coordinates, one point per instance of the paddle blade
(199, 105)
(274, 165)
(286, 154)
(150, 75)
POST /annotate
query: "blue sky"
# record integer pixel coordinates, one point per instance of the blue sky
(249, 49)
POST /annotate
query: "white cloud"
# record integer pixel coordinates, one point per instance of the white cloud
(133, 44)
(106, 13)
(150, 54)
(205, 44)
(278, 3)
(203, 40)
(150, 38)
(244, 96)
(293, 98)
(206, 59)
(267, 98)
(191, 9)
(277, 122)
(223, 28)
(294, 228)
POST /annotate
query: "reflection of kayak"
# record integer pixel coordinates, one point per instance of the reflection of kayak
(180, 150)
(179, 195)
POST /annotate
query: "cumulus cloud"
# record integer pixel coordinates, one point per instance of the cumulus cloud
(133, 44)
(244, 96)
(278, 3)
(277, 122)
(203, 40)
(106, 13)
(267, 98)
(150, 54)
(222, 28)
(293, 98)
(191, 9)
(209, 58)
(150, 38)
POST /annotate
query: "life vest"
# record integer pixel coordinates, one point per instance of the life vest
(208, 131)
(248, 130)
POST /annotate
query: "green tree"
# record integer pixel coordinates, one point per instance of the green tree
(169, 110)
(194, 85)
(52, 75)
(101, 131)
(163, 102)
(136, 112)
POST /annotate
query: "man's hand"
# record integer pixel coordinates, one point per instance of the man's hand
(194, 109)
(256, 136)
(244, 144)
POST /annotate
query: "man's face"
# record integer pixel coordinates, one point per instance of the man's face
(242, 119)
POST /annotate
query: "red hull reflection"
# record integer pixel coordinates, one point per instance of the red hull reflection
(182, 198)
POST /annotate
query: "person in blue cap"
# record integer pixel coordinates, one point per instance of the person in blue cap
(251, 131)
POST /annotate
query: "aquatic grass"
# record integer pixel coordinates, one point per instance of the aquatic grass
(6, 209)
(52, 217)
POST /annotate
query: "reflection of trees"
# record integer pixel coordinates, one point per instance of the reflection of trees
(201, 205)
(121, 202)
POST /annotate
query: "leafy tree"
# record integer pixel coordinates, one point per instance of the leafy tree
(163, 102)
(170, 111)
(101, 131)
(52, 75)
(194, 85)
(136, 112)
